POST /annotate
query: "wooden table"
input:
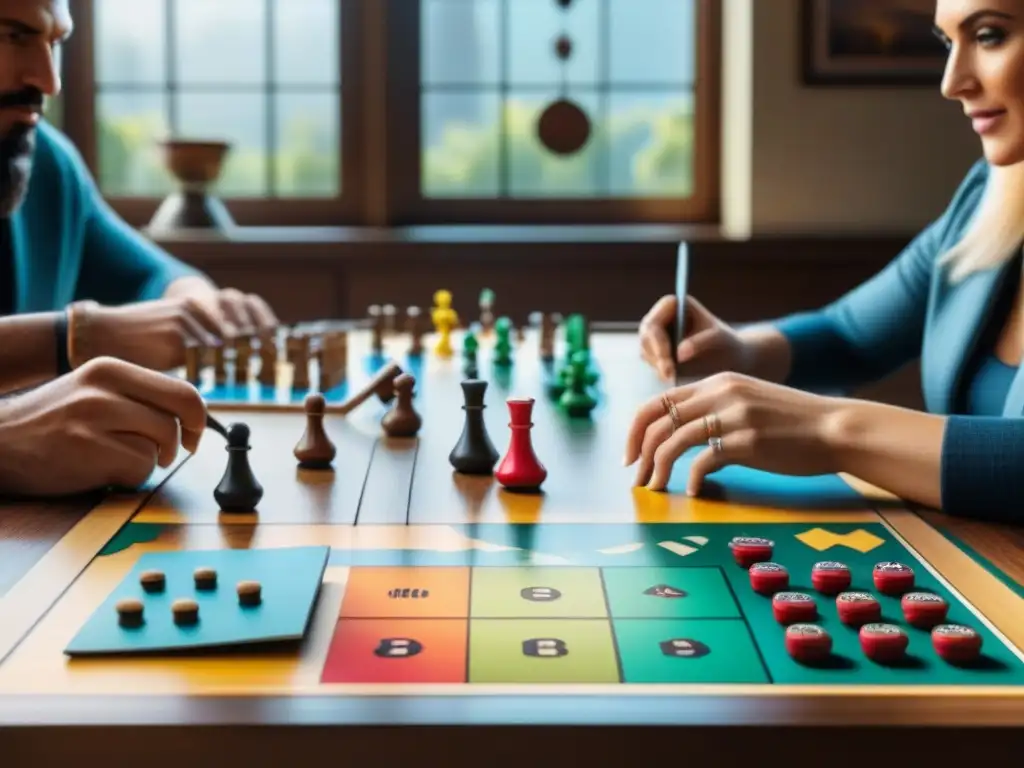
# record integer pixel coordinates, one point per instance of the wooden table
(398, 500)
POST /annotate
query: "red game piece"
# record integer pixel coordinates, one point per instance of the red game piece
(793, 608)
(808, 642)
(956, 643)
(520, 469)
(923, 609)
(883, 642)
(893, 578)
(768, 578)
(747, 550)
(830, 577)
(857, 608)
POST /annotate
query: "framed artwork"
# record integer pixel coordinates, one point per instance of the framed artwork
(871, 42)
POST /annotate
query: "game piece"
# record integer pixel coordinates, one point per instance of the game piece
(153, 581)
(445, 319)
(315, 449)
(768, 578)
(470, 345)
(239, 491)
(747, 550)
(956, 643)
(297, 348)
(375, 313)
(192, 364)
(474, 454)
(389, 314)
(414, 327)
(893, 578)
(382, 385)
(486, 307)
(185, 611)
(808, 643)
(576, 400)
(547, 337)
(924, 610)
(129, 612)
(793, 607)
(268, 361)
(205, 578)
(250, 593)
(521, 469)
(830, 577)
(402, 420)
(884, 643)
(858, 608)
(503, 342)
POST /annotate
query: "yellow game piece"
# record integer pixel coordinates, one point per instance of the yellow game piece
(445, 318)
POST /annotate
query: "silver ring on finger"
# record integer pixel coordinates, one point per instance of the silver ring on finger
(716, 444)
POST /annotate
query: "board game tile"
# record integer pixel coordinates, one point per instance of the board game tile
(397, 651)
(536, 592)
(637, 593)
(414, 592)
(542, 651)
(682, 651)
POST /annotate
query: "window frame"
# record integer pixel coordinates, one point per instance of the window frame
(380, 137)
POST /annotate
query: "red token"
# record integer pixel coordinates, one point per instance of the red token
(893, 578)
(747, 550)
(857, 608)
(956, 643)
(808, 642)
(768, 578)
(883, 642)
(793, 608)
(830, 577)
(923, 609)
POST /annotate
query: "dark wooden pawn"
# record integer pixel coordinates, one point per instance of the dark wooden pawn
(402, 420)
(474, 454)
(238, 491)
(315, 449)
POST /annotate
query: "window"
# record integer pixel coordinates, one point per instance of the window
(442, 102)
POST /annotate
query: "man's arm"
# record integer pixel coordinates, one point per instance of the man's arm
(29, 344)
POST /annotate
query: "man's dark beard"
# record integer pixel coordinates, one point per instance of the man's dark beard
(16, 150)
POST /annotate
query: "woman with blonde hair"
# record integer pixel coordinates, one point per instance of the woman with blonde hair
(766, 396)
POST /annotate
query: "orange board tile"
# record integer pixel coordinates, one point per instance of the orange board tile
(407, 593)
(398, 651)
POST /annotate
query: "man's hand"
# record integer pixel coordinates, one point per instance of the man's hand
(226, 312)
(109, 423)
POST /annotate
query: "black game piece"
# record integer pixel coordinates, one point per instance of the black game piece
(238, 491)
(474, 454)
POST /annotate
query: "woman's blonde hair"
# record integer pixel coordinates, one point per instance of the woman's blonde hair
(997, 231)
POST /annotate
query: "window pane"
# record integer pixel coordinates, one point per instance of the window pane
(656, 46)
(534, 171)
(239, 119)
(651, 143)
(462, 144)
(130, 125)
(307, 40)
(308, 143)
(460, 41)
(535, 26)
(130, 45)
(220, 42)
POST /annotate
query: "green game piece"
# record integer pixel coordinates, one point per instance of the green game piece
(530, 592)
(542, 651)
(683, 651)
(486, 297)
(503, 342)
(469, 346)
(576, 400)
(657, 593)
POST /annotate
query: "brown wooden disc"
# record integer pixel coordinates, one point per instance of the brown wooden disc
(563, 128)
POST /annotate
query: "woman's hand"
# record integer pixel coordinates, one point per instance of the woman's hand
(742, 420)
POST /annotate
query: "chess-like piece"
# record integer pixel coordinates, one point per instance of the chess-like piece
(315, 449)
(474, 454)
(414, 327)
(376, 315)
(239, 491)
(402, 420)
(521, 469)
(445, 319)
(576, 399)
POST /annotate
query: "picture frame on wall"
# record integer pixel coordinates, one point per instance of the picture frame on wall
(871, 42)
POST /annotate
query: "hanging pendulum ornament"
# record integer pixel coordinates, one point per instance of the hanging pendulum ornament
(563, 127)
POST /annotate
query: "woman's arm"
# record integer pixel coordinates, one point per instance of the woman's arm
(966, 466)
(29, 344)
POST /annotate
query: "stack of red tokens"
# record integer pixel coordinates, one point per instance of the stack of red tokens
(747, 550)
(768, 578)
(893, 578)
(858, 608)
(808, 642)
(884, 643)
(956, 643)
(830, 577)
(924, 610)
(793, 608)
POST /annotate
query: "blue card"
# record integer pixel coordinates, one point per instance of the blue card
(290, 579)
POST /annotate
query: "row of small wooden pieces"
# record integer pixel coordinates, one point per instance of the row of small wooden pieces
(185, 610)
